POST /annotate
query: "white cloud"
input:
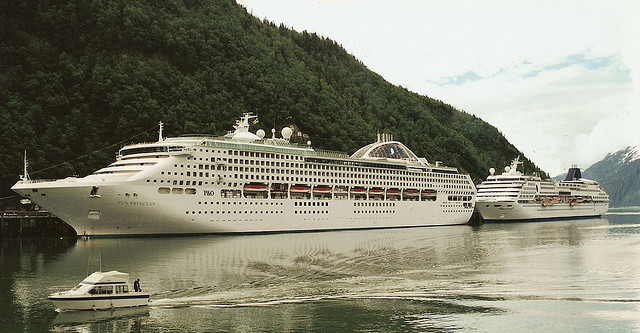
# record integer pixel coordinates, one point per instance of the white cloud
(559, 78)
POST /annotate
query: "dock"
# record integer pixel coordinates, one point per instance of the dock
(33, 224)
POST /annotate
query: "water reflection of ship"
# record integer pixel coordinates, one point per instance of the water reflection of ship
(210, 264)
(215, 270)
(126, 317)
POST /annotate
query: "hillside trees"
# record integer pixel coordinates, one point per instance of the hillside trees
(82, 78)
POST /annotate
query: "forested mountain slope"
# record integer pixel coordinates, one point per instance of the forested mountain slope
(81, 78)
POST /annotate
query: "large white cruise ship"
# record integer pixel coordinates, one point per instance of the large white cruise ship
(514, 196)
(245, 183)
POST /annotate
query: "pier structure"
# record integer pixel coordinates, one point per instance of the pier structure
(33, 224)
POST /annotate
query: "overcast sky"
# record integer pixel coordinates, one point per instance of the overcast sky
(560, 79)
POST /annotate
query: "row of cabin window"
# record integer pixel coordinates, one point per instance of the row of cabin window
(305, 212)
(221, 212)
(374, 211)
(362, 175)
(225, 159)
(464, 205)
(176, 190)
(374, 204)
(459, 198)
(238, 193)
(377, 171)
(303, 179)
(294, 157)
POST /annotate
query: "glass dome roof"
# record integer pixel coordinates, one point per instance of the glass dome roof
(389, 150)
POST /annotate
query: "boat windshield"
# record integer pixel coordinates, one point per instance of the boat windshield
(101, 290)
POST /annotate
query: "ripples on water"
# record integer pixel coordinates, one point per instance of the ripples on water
(557, 276)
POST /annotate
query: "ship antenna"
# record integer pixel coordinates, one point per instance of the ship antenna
(25, 174)
(160, 132)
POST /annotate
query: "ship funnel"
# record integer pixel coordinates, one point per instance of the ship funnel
(573, 174)
(384, 137)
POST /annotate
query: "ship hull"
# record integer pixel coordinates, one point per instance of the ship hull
(512, 211)
(133, 208)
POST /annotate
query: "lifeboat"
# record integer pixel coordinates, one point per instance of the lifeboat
(393, 192)
(358, 190)
(376, 191)
(321, 189)
(549, 202)
(410, 192)
(429, 194)
(255, 187)
(581, 199)
(299, 188)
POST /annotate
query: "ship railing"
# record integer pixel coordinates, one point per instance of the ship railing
(37, 181)
(284, 143)
(272, 142)
(331, 153)
(24, 214)
(59, 289)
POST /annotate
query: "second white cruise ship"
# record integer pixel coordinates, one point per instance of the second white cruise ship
(244, 183)
(515, 196)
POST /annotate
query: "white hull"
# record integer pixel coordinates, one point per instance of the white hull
(505, 211)
(153, 213)
(99, 302)
(513, 196)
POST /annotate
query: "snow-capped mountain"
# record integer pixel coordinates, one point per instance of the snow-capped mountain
(619, 175)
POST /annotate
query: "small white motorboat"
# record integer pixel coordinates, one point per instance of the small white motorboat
(100, 290)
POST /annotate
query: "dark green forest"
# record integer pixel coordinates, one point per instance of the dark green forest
(81, 78)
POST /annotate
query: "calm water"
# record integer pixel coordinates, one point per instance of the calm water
(580, 275)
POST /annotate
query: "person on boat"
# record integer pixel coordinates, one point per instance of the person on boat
(136, 286)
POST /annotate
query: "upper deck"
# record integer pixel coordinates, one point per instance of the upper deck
(383, 153)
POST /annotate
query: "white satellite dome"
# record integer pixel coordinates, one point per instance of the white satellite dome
(245, 136)
(507, 169)
(286, 133)
(260, 133)
(492, 171)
